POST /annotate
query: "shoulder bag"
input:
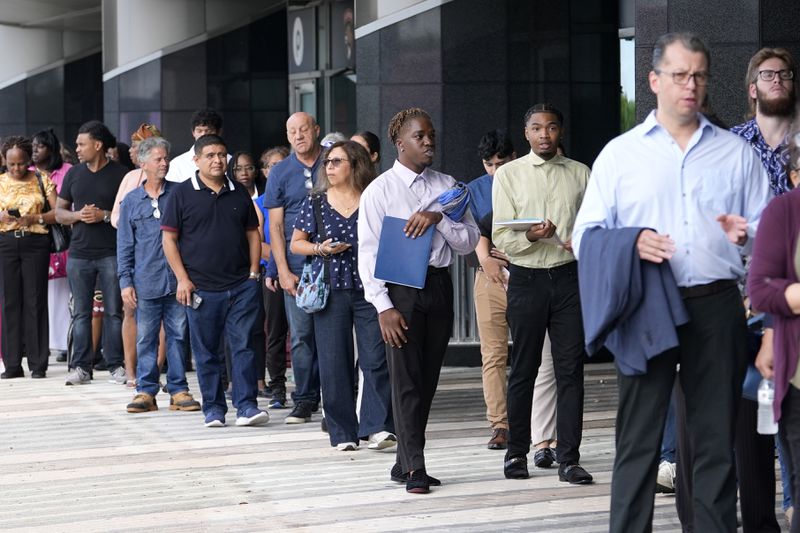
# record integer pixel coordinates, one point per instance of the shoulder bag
(60, 235)
(312, 293)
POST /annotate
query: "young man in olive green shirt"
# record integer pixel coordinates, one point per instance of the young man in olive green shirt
(543, 288)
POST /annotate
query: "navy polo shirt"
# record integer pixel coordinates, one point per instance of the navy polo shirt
(212, 232)
(286, 188)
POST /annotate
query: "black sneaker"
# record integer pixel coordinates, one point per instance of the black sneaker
(300, 414)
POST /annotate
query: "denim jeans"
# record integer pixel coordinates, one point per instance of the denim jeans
(230, 314)
(83, 274)
(668, 442)
(333, 329)
(305, 365)
(149, 315)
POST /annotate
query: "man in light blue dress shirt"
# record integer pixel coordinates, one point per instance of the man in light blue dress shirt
(700, 191)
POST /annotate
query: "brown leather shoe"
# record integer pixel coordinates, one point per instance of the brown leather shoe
(183, 401)
(498, 440)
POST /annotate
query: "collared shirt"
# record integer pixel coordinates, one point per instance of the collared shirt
(182, 167)
(480, 190)
(530, 187)
(774, 161)
(642, 178)
(286, 188)
(212, 232)
(141, 263)
(400, 192)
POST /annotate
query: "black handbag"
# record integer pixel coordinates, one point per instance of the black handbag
(60, 235)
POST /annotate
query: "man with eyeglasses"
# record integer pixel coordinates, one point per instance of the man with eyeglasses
(289, 183)
(694, 194)
(149, 286)
(772, 98)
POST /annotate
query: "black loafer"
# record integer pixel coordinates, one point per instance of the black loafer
(544, 458)
(574, 474)
(38, 374)
(397, 475)
(418, 483)
(12, 374)
(516, 468)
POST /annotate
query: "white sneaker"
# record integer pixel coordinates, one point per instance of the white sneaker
(347, 446)
(78, 376)
(665, 482)
(382, 440)
(253, 417)
(118, 376)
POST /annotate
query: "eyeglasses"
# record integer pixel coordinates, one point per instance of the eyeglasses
(248, 168)
(154, 205)
(307, 174)
(682, 77)
(336, 161)
(769, 75)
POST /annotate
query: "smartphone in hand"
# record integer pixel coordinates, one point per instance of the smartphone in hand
(196, 300)
(14, 212)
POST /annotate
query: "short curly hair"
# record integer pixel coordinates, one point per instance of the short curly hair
(399, 120)
(17, 141)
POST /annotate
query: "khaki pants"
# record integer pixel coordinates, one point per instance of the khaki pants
(490, 309)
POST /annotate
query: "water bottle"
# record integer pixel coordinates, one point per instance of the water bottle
(766, 418)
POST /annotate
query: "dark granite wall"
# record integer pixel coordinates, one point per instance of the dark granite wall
(61, 98)
(477, 65)
(242, 74)
(733, 29)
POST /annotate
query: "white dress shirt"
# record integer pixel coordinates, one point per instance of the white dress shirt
(400, 192)
(643, 179)
(183, 167)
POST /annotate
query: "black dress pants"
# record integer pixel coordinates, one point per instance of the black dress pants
(277, 330)
(713, 357)
(23, 269)
(414, 368)
(541, 300)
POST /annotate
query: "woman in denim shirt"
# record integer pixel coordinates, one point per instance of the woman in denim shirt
(346, 171)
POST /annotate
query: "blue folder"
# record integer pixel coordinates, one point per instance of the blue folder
(402, 260)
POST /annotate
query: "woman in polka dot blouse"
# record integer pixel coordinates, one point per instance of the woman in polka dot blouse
(346, 170)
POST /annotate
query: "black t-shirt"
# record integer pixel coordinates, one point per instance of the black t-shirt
(81, 186)
(212, 232)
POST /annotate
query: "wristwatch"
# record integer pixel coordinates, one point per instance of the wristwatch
(255, 275)
(106, 217)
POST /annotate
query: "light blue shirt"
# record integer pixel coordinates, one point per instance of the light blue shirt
(642, 178)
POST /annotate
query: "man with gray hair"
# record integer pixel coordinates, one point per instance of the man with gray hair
(149, 285)
(675, 190)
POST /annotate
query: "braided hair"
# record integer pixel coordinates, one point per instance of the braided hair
(399, 120)
(17, 141)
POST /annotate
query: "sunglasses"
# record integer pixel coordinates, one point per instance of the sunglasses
(307, 175)
(156, 210)
(336, 161)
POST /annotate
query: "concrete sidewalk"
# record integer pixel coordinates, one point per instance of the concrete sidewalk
(74, 460)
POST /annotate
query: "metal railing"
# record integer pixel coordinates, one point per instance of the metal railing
(465, 326)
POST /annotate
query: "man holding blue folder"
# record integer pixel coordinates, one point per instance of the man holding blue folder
(542, 288)
(415, 322)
